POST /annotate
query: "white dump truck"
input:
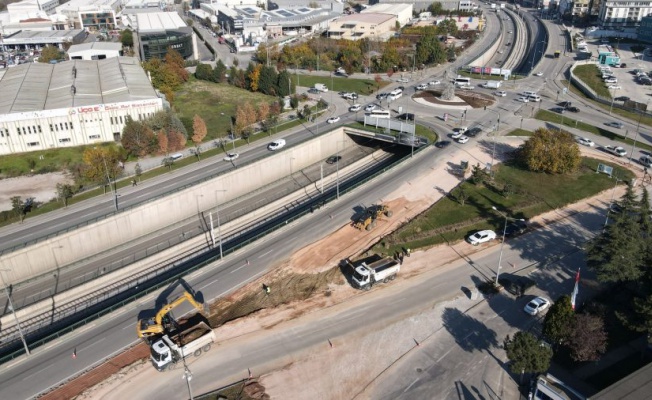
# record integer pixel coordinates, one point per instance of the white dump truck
(165, 352)
(492, 84)
(321, 87)
(383, 270)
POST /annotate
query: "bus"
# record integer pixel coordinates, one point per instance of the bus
(462, 81)
(378, 113)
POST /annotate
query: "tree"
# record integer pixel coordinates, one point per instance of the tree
(550, 152)
(127, 38)
(263, 113)
(254, 77)
(138, 171)
(267, 82)
(618, 255)
(65, 192)
(219, 72)
(176, 140)
(526, 354)
(558, 324)
(20, 208)
(204, 72)
(199, 132)
(101, 164)
(588, 340)
(284, 84)
(137, 138)
(49, 53)
(162, 142)
(294, 102)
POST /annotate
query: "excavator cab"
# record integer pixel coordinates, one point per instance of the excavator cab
(159, 324)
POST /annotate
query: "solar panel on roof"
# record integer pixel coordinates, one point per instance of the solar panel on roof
(304, 10)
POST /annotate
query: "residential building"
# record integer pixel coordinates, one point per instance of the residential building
(623, 13)
(92, 15)
(645, 29)
(72, 103)
(364, 25)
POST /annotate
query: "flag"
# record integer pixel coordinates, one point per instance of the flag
(576, 289)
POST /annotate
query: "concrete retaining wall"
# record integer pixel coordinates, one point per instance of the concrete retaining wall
(85, 242)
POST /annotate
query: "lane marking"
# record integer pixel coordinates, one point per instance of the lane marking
(265, 253)
(208, 284)
(91, 345)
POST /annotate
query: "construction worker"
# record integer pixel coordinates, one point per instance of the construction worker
(266, 289)
(408, 252)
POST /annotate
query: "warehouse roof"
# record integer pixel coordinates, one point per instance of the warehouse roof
(159, 21)
(38, 86)
(112, 46)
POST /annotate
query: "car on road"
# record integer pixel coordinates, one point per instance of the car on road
(523, 100)
(457, 134)
(509, 32)
(611, 80)
(355, 108)
(573, 109)
(433, 83)
(500, 93)
(537, 305)
(382, 96)
(585, 142)
(406, 117)
(621, 98)
(401, 88)
(333, 120)
(645, 161)
(565, 104)
(333, 159)
(422, 86)
(476, 130)
(462, 139)
(403, 80)
(615, 124)
(442, 144)
(515, 228)
(516, 284)
(370, 107)
(616, 150)
(559, 110)
(481, 237)
(539, 73)
(276, 145)
(231, 156)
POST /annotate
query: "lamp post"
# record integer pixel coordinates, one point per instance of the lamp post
(337, 166)
(500, 258)
(536, 46)
(493, 152)
(638, 125)
(613, 97)
(219, 228)
(13, 311)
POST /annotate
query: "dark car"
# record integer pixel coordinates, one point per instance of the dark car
(622, 98)
(515, 284)
(515, 228)
(442, 144)
(565, 104)
(473, 131)
(406, 117)
(401, 87)
(559, 110)
(623, 65)
(573, 109)
(333, 159)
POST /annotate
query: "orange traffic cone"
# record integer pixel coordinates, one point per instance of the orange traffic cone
(74, 353)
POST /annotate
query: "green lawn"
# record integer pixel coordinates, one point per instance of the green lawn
(645, 120)
(549, 116)
(449, 221)
(520, 132)
(591, 75)
(339, 84)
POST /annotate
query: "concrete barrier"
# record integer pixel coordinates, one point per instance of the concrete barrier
(71, 247)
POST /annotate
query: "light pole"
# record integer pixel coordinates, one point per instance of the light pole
(219, 228)
(613, 97)
(108, 178)
(13, 311)
(493, 152)
(536, 46)
(500, 258)
(337, 166)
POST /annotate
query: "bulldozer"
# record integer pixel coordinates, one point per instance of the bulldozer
(156, 326)
(370, 215)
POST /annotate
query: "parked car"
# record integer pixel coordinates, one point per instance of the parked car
(231, 156)
(585, 142)
(382, 96)
(442, 144)
(406, 117)
(481, 237)
(515, 228)
(403, 80)
(614, 87)
(276, 145)
(370, 107)
(621, 98)
(457, 134)
(422, 86)
(615, 124)
(539, 73)
(433, 83)
(537, 305)
(474, 131)
(516, 284)
(645, 161)
(611, 80)
(500, 93)
(333, 120)
(565, 104)
(559, 110)
(462, 139)
(523, 99)
(355, 108)
(573, 109)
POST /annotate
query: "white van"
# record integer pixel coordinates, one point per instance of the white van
(396, 92)
(394, 96)
(176, 156)
(534, 97)
(528, 94)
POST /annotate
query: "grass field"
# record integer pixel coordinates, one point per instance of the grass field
(545, 115)
(339, 84)
(645, 120)
(449, 221)
(520, 132)
(590, 74)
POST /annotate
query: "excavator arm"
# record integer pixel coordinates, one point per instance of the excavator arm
(154, 326)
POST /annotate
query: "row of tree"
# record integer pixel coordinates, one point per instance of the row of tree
(256, 78)
(169, 74)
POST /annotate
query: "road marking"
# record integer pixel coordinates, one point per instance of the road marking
(238, 269)
(208, 284)
(91, 345)
(266, 253)
(37, 372)
(410, 385)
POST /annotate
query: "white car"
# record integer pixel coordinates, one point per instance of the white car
(462, 139)
(422, 86)
(611, 80)
(523, 100)
(355, 108)
(403, 80)
(500, 93)
(433, 83)
(537, 305)
(276, 145)
(585, 142)
(333, 120)
(481, 237)
(614, 87)
(539, 74)
(370, 108)
(457, 135)
(231, 156)
(616, 150)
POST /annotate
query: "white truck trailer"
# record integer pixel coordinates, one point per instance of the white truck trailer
(383, 270)
(165, 352)
(321, 87)
(492, 84)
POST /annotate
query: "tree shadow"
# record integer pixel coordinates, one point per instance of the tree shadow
(469, 333)
(463, 393)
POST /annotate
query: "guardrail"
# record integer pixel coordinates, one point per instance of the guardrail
(154, 280)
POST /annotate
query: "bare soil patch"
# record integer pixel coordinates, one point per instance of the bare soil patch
(42, 187)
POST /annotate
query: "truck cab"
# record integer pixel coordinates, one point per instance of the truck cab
(361, 276)
(160, 354)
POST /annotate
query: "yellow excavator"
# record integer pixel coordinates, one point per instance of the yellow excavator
(155, 326)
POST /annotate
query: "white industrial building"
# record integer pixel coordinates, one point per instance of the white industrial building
(402, 12)
(36, 40)
(623, 13)
(72, 103)
(95, 50)
(91, 14)
(373, 26)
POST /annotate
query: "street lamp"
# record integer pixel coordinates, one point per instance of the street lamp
(219, 228)
(493, 152)
(500, 258)
(536, 46)
(13, 311)
(638, 125)
(337, 166)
